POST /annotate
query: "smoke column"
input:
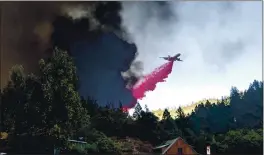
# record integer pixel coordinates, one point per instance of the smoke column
(92, 34)
(89, 31)
(26, 29)
(149, 82)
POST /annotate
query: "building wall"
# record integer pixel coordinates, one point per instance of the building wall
(186, 149)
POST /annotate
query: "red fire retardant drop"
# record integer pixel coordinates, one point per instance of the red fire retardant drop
(148, 83)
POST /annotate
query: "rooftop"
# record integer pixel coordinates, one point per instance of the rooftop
(166, 143)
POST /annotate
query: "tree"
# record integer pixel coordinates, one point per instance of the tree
(252, 105)
(183, 124)
(66, 114)
(147, 123)
(146, 108)
(168, 127)
(180, 113)
(235, 104)
(13, 100)
(166, 114)
(137, 112)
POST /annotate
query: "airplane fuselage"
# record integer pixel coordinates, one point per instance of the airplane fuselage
(174, 58)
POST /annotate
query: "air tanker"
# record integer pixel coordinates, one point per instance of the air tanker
(173, 58)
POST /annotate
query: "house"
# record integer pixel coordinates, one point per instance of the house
(176, 146)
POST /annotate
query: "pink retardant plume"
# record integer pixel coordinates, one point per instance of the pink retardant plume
(149, 82)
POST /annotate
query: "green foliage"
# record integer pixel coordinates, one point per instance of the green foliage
(59, 81)
(107, 145)
(51, 98)
(82, 148)
(240, 141)
(45, 110)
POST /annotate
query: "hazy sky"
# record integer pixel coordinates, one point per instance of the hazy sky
(220, 42)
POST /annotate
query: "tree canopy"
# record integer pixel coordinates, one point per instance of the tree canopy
(40, 111)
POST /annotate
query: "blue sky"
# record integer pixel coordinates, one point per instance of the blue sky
(220, 42)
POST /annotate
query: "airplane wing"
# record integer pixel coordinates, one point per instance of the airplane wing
(177, 55)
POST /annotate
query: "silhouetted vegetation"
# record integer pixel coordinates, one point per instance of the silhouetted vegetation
(40, 112)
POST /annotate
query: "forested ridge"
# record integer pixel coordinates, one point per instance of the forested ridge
(42, 111)
(186, 109)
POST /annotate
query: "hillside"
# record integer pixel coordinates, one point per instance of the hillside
(186, 109)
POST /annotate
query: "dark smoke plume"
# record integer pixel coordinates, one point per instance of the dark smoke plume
(26, 29)
(89, 31)
(134, 74)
